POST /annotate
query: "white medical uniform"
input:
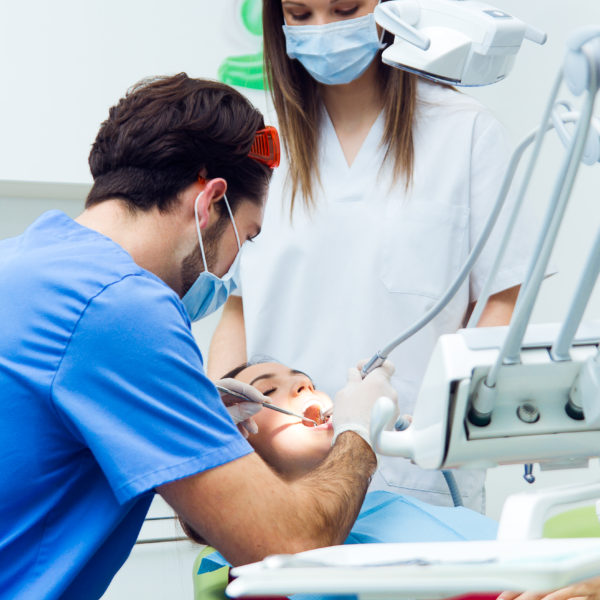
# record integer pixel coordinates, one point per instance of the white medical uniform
(334, 285)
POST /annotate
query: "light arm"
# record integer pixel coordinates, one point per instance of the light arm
(499, 308)
(228, 344)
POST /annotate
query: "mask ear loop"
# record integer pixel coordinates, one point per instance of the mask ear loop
(200, 243)
(237, 237)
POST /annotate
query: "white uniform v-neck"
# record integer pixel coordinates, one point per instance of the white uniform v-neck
(333, 153)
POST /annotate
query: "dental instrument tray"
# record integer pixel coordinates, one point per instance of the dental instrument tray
(422, 570)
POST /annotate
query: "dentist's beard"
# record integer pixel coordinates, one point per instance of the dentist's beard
(193, 265)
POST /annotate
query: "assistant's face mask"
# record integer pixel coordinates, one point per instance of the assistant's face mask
(334, 53)
(210, 292)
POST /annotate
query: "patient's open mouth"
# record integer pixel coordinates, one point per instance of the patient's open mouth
(314, 410)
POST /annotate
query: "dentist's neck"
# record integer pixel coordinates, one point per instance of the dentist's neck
(153, 239)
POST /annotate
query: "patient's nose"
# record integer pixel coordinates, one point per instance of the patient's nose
(303, 385)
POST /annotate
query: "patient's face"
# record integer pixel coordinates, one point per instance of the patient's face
(285, 442)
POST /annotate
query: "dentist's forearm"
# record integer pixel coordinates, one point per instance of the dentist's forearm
(342, 481)
(247, 512)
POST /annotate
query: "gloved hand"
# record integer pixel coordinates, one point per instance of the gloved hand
(352, 405)
(239, 410)
(242, 414)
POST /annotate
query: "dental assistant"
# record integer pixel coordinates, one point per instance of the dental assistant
(104, 397)
(388, 181)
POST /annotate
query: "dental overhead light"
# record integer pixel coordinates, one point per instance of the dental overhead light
(459, 42)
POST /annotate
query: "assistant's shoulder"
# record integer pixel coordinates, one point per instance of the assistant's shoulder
(435, 100)
(443, 111)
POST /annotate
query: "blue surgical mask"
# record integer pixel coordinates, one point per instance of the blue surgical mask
(210, 292)
(334, 53)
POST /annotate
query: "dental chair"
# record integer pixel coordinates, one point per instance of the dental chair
(579, 522)
(211, 576)
(433, 570)
(211, 573)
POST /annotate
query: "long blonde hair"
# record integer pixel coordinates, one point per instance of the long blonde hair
(298, 104)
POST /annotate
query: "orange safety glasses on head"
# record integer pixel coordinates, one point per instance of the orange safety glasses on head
(265, 148)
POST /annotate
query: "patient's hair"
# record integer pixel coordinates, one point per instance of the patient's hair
(236, 371)
(192, 533)
(258, 359)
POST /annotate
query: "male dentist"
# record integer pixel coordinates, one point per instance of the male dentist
(104, 396)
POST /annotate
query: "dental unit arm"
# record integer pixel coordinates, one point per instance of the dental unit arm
(522, 393)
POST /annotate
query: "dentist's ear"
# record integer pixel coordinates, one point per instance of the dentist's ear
(206, 193)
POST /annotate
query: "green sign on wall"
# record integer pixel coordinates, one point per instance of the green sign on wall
(246, 70)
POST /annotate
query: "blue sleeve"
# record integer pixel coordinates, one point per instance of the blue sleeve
(131, 387)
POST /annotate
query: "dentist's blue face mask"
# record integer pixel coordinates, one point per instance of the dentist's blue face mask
(337, 52)
(210, 292)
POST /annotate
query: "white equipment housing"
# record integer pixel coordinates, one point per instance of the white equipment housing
(530, 408)
(461, 42)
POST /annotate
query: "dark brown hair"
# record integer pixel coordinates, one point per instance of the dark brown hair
(298, 104)
(191, 532)
(164, 132)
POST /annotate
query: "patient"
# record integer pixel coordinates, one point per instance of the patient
(293, 447)
(290, 446)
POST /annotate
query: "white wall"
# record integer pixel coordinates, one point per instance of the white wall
(65, 62)
(518, 102)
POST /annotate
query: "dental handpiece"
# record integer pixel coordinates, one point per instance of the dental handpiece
(229, 392)
(376, 361)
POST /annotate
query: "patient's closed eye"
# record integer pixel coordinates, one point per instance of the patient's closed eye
(269, 391)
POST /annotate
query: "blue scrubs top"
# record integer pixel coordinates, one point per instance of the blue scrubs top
(103, 396)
